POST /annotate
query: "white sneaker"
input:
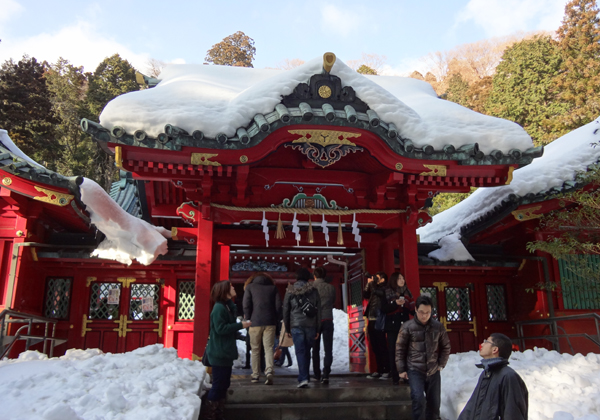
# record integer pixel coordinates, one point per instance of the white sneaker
(373, 375)
(385, 376)
(303, 384)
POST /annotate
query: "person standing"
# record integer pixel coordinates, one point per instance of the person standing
(374, 291)
(422, 351)
(398, 304)
(328, 296)
(221, 349)
(302, 316)
(262, 306)
(500, 392)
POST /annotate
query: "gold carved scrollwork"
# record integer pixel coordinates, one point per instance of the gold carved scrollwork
(527, 214)
(126, 281)
(7, 181)
(204, 159)
(434, 170)
(53, 197)
(441, 285)
(324, 137)
(89, 281)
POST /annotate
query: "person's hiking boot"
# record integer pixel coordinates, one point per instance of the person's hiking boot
(385, 376)
(373, 375)
(255, 379)
(325, 380)
(303, 384)
(269, 380)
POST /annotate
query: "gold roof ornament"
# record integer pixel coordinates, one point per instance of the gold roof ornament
(328, 61)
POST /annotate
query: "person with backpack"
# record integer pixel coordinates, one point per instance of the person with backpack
(302, 318)
(327, 294)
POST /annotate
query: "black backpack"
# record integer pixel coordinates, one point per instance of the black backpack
(306, 306)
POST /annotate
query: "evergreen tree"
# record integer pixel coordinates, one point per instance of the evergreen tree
(235, 50)
(578, 83)
(68, 87)
(26, 109)
(364, 69)
(457, 90)
(443, 201)
(114, 76)
(522, 88)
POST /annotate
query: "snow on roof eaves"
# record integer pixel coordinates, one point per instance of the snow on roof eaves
(545, 178)
(238, 107)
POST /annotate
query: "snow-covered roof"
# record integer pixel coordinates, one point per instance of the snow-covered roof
(218, 99)
(548, 175)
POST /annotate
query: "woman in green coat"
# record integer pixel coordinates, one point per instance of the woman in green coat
(222, 349)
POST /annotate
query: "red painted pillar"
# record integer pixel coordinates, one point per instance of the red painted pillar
(387, 255)
(409, 258)
(204, 261)
(224, 262)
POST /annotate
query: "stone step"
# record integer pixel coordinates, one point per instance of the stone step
(374, 410)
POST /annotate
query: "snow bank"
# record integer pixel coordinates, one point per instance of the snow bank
(146, 384)
(451, 249)
(562, 160)
(561, 386)
(127, 237)
(220, 99)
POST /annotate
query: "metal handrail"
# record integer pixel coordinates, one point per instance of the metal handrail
(555, 338)
(28, 319)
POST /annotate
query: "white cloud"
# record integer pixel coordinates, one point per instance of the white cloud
(339, 21)
(504, 17)
(10, 9)
(80, 43)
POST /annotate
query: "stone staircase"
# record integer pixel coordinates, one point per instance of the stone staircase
(348, 397)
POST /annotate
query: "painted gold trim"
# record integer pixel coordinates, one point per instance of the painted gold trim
(34, 254)
(204, 159)
(89, 281)
(509, 177)
(53, 197)
(434, 170)
(159, 330)
(441, 285)
(324, 137)
(474, 324)
(126, 281)
(527, 214)
(119, 157)
(174, 233)
(84, 325)
(7, 181)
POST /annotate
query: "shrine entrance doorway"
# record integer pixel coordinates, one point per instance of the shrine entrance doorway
(123, 314)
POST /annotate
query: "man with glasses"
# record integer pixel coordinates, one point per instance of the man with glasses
(500, 392)
(422, 351)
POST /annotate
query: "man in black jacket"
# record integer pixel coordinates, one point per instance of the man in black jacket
(500, 392)
(302, 318)
(327, 294)
(422, 351)
(262, 306)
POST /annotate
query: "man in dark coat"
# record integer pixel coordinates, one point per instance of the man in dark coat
(500, 392)
(327, 294)
(302, 318)
(262, 306)
(422, 351)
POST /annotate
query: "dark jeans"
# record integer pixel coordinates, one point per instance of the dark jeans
(304, 339)
(425, 395)
(221, 380)
(392, 336)
(380, 348)
(327, 335)
(285, 354)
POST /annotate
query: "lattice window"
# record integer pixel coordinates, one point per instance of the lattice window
(105, 300)
(186, 300)
(143, 301)
(58, 298)
(432, 293)
(496, 302)
(458, 304)
(356, 293)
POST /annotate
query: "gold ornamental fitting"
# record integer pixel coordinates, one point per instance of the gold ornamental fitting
(328, 61)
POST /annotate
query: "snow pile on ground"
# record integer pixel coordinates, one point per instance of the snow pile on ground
(451, 249)
(561, 386)
(220, 99)
(340, 347)
(563, 159)
(127, 237)
(146, 384)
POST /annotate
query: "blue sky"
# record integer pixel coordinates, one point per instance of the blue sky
(182, 31)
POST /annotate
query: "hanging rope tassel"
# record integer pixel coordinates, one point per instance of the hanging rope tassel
(311, 238)
(340, 239)
(280, 233)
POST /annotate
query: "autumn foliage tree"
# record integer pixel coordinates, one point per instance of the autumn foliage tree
(235, 50)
